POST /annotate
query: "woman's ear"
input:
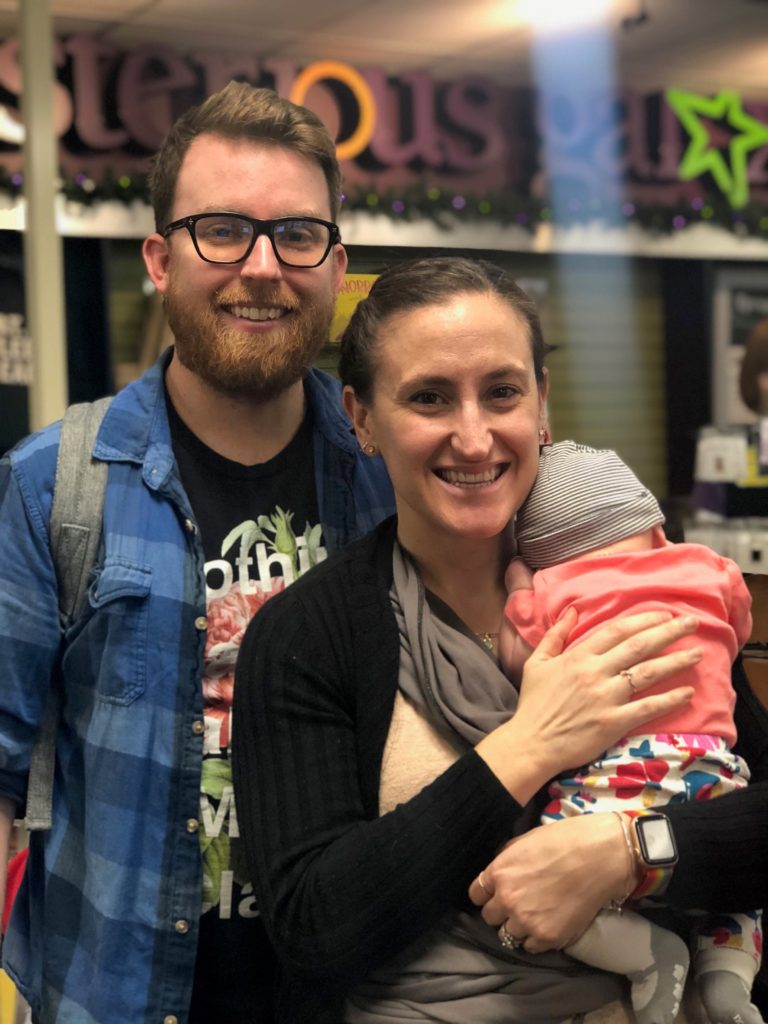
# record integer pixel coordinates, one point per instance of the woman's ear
(360, 417)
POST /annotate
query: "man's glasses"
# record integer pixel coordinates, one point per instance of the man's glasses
(230, 237)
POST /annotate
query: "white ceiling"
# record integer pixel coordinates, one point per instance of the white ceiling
(703, 45)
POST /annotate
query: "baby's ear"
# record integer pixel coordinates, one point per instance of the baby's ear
(518, 576)
(659, 537)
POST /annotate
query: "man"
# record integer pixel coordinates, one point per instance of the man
(231, 471)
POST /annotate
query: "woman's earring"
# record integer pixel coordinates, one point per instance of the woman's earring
(544, 436)
(369, 448)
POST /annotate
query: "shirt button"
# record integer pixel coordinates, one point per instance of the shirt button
(201, 622)
(171, 1018)
(182, 927)
(192, 824)
(198, 727)
(189, 526)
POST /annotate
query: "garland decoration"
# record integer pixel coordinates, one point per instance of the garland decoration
(447, 207)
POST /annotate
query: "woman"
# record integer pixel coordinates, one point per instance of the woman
(383, 758)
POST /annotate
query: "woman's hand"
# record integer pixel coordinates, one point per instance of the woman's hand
(547, 886)
(575, 704)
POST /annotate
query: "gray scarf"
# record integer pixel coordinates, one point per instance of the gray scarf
(444, 670)
(458, 971)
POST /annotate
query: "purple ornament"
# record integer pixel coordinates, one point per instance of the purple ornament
(458, 202)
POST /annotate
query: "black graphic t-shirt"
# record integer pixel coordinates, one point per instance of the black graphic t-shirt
(259, 527)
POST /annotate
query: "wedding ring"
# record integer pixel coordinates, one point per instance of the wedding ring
(508, 940)
(626, 674)
(483, 886)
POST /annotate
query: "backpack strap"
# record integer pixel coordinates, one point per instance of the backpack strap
(75, 530)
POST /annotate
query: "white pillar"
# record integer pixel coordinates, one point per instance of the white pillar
(43, 262)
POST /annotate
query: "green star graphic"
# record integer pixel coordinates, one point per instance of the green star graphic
(701, 157)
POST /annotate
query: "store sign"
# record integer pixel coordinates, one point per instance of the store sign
(112, 108)
(702, 116)
(123, 103)
(354, 289)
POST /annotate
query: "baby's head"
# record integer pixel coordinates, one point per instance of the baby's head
(584, 500)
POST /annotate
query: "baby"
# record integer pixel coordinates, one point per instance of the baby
(592, 534)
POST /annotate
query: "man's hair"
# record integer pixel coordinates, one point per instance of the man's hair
(413, 284)
(240, 111)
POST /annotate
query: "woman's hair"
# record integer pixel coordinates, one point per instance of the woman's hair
(426, 282)
(241, 111)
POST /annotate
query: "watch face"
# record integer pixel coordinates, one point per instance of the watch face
(657, 843)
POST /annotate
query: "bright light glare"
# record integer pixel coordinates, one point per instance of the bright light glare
(560, 15)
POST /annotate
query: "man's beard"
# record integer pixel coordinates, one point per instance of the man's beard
(260, 364)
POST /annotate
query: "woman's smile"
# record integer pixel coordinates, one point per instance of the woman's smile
(471, 478)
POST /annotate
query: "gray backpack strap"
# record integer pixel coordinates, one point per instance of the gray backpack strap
(78, 501)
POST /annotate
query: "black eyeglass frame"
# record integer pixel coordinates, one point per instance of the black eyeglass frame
(260, 227)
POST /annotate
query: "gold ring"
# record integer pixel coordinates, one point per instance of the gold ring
(508, 940)
(626, 674)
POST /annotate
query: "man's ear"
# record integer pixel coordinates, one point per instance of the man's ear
(340, 264)
(359, 415)
(156, 260)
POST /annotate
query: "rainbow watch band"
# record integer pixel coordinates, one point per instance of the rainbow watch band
(654, 881)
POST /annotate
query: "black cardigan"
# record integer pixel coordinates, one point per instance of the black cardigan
(723, 843)
(341, 890)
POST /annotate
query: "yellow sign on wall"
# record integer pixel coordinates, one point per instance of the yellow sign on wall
(355, 288)
(7, 1000)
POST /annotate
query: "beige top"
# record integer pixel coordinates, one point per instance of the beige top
(414, 755)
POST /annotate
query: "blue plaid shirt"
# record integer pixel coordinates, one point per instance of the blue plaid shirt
(104, 930)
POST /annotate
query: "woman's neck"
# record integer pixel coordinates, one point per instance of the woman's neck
(468, 575)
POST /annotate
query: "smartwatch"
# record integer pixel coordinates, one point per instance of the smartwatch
(653, 842)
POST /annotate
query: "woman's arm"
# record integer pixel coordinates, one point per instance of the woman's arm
(723, 843)
(340, 888)
(575, 703)
(751, 725)
(723, 849)
(551, 882)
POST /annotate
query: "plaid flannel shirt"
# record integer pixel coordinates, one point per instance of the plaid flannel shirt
(104, 929)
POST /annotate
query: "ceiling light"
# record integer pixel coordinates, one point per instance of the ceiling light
(563, 15)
